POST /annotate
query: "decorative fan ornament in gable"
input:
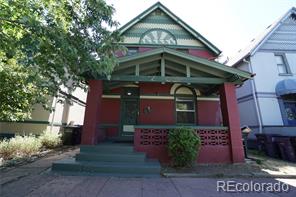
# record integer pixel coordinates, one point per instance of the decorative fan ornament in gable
(158, 36)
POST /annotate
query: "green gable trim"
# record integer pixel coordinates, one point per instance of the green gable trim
(159, 79)
(168, 46)
(158, 21)
(179, 34)
(210, 64)
(164, 19)
(179, 21)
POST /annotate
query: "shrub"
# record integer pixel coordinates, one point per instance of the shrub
(50, 139)
(29, 146)
(19, 146)
(183, 146)
(7, 151)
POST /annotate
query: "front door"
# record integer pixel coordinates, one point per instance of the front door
(129, 112)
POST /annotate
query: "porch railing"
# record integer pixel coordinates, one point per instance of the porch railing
(157, 135)
(153, 139)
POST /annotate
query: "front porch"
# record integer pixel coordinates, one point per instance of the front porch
(154, 91)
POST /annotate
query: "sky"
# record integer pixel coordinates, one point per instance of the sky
(228, 24)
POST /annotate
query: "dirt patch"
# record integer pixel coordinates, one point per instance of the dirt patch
(256, 166)
(13, 163)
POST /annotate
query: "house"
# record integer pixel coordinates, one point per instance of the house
(167, 79)
(267, 103)
(66, 109)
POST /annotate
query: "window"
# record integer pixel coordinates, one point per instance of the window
(281, 64)
(185, 110)
(132, 51)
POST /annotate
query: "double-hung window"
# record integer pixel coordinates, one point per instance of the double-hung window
(185, 110)
(281, 64)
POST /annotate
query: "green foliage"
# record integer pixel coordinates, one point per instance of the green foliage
(52, 44)
(19, 91)
(19, 146)
(50, 139)
(7, 150)
(183, 146)
(27, 145)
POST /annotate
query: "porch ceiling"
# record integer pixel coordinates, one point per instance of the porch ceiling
(170, 66)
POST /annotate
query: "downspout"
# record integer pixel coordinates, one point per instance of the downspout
(254, 95)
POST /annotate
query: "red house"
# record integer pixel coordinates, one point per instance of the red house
(168, 78)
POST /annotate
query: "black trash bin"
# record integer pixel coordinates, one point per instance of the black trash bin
(267, 144)
(245, 132)
(76, 135)
(286, 149)
(293, 142)
(72, 135)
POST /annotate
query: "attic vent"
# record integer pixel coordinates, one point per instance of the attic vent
(157, 12)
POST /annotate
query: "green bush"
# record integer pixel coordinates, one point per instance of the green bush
(7, 151)
(50, 139)
(19, 146)
(183, 146)
(28, 145)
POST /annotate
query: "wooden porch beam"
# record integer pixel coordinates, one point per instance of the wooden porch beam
(193, 72)
(159, 79)
(138, 61)
(144, 68)
(162, 68)
(173, 73)
(196, 66)
(137, 71)
(187, 72)
(177, 69)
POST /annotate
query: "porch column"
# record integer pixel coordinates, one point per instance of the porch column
(231, 119)
(92, 112)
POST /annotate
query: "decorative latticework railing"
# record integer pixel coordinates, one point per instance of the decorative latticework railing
(210, 136)
(155, 137)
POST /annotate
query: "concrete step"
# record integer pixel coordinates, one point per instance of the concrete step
(108, 148)
(71, 165)
(111, 157)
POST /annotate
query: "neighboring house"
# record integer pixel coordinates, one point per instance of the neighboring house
(167, 79)
(62, 114)
(268, 102)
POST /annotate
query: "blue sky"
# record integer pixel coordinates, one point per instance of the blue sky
(229, 24)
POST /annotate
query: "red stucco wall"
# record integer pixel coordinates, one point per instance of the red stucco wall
(111, 115)
(209, 113)
(155, 88)
(201, 53)
(162, 112)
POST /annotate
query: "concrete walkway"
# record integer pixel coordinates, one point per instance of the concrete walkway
(46, 185)
(34, 179)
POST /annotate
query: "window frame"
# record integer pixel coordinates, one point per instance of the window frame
(189, 97)
(132, 51)
(285, 64)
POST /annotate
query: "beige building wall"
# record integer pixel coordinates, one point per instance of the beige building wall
(42, 120)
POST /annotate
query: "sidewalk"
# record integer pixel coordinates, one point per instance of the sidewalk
(37, 167)
(34, 179)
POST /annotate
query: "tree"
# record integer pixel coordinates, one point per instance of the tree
(52, 44)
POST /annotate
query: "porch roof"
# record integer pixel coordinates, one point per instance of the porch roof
(165, 65)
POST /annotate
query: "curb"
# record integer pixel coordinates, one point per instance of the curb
(253, 175)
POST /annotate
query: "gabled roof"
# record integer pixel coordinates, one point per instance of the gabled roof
(257, 42)
(196, 62)
(179, 21)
